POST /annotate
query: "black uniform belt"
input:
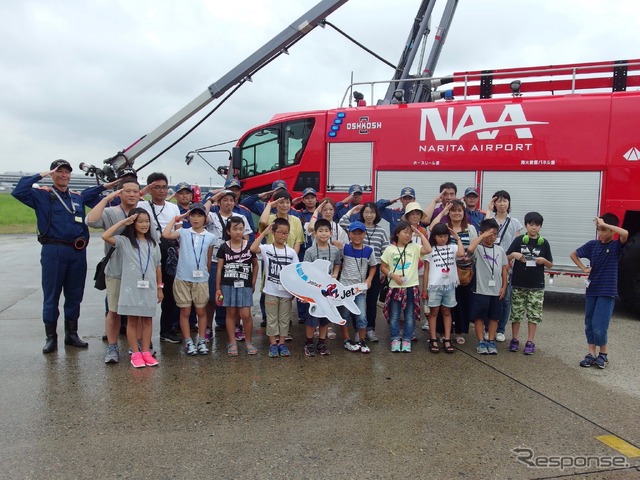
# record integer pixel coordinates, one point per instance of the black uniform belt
(79, 243)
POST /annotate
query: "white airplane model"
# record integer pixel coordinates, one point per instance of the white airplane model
(311, 283)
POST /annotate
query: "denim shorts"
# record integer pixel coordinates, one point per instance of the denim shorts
(311, 321)
(237, 297)
(446, 298)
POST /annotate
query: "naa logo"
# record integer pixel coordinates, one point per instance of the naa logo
(632, 155)
(473, 120)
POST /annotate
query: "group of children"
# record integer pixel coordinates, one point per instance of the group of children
(357, 255)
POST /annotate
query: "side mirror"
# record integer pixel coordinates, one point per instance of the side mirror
(236, 158)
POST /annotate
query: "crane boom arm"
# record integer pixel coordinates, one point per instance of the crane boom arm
(274, 47)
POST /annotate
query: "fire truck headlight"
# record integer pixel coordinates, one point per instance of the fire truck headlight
(398, 95)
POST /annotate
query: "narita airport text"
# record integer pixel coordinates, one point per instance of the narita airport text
(499, 147)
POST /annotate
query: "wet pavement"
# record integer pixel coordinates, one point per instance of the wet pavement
(347, 415)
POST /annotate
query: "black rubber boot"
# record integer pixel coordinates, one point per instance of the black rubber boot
(51, 344)
(71, 335)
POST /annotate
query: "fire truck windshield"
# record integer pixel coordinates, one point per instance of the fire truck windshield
(274, 147)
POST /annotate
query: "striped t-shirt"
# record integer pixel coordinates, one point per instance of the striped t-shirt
(603, 258)
(376, 237)
(356, 263)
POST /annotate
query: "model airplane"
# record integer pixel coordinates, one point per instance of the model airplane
(311, 283)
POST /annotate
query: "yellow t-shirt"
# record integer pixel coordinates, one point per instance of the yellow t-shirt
(403, 261)
(295, 231)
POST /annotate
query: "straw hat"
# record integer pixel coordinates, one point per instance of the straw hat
(412, 207)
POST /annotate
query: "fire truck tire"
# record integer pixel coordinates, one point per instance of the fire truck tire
(629, 274)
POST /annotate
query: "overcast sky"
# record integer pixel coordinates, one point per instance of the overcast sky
(82, 80)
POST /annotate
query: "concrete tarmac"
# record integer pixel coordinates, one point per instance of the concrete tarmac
(347, 415)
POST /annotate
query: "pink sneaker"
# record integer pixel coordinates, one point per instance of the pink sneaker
(137, 361)
(148, 359)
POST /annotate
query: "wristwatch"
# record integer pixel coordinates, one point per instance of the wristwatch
(161, 285)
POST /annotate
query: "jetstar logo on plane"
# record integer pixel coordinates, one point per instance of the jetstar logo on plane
(474, 120)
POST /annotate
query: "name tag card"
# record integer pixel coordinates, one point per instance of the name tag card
(143, 283)
(198, 274)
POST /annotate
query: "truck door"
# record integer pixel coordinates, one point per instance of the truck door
(349, 163)
(568, 201)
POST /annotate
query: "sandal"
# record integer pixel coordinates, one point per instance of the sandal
(251, 350)
(232, 349)
(433, 345)
(446, 345)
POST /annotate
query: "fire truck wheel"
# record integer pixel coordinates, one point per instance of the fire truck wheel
(629, 274)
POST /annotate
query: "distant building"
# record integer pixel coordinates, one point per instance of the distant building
(8, 180)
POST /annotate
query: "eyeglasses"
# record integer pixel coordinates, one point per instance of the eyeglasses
(160, 187)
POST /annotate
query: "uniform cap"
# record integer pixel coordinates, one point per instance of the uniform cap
(197, 206)
(357, 226)
(127, 172)
(278, 184)
(309, 191)
(408, 192)
(355, 188)
(471, 191)
(232, 182)
(183, 186)
(60, 163)
(228, 192)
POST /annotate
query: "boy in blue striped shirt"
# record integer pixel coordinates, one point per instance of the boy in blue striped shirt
(358, 266)
(602, 284)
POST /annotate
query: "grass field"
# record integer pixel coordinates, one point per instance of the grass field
(15, 217)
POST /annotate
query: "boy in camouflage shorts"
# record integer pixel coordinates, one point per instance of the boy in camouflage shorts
(531, 254)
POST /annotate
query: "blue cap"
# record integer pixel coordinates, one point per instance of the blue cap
(357, 226)
(355, 188)
(232, 182)
(183, 186)
(408, 192)
(197, 206)
(309, 191)
(279, 184)
(471, 191)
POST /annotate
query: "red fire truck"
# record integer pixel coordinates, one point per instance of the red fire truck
(564, 140)
(549, 136)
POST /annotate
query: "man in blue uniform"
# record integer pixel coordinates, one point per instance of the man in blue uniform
(394, 215)
(354, 199)
(64, 237)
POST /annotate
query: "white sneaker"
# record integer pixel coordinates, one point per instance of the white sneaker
(190, 348)
(202, 347)
(357, 338)
(331, 334)
(500, 337)
(364, 348)
(371, 336)
(351, 346)
(425, 326)
(486, 335)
